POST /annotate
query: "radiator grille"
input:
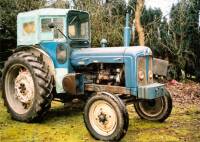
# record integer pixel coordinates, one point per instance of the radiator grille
(145, 65)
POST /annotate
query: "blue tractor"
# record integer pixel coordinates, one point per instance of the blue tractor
(54, 60)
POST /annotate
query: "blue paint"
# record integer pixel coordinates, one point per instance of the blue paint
(112, 55)
(125, 55)
(147, 67)
(151, 91)
(127, 31)
(78, 56)
(50, 49)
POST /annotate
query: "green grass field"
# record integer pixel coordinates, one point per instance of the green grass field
(66, 125)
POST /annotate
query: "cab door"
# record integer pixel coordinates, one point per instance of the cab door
(53, 42)
(56, 46)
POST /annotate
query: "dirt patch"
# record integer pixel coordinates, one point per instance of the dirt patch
(184, 93)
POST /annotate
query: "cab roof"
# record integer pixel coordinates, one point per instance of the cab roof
(46, 11)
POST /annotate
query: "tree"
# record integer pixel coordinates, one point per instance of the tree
(107, 20)
(151, 21)
(192, 30)
(175, 39)
(181, 39)
(8, 19)
(138, 26)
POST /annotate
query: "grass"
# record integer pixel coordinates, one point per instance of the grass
(66, 125)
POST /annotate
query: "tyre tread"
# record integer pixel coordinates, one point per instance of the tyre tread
(43, 82)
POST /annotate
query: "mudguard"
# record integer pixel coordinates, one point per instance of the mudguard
(40, 53)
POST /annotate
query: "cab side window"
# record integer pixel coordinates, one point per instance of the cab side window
(59, 23)
(52, 34)
(44, 23)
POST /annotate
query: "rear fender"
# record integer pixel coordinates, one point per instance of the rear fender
(42, 54)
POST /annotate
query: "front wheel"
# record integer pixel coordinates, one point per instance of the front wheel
(106, 117)
(157, 109)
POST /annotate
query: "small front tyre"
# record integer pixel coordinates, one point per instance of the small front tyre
(157, 109)
(106, 117)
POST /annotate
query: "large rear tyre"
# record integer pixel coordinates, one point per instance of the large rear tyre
(27, 87)
(157, 109)
(106, 117)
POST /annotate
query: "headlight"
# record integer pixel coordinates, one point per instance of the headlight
(142, 80)
(141, 75)
(150, 74)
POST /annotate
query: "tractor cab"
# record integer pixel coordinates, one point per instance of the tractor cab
(71, 27)
(56, 32)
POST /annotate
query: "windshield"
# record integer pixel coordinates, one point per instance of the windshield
(78, 25)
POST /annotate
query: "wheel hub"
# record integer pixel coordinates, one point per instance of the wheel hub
(102, 117)
(24, 87)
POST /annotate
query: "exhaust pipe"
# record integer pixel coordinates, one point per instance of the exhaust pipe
(127, 28)
(71, 4)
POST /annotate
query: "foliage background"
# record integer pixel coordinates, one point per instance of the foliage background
(175, 39)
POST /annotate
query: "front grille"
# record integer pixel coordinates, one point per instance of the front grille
(145, 65)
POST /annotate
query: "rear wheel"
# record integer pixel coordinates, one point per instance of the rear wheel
(157, 109)
(27, 87)
(106, 117)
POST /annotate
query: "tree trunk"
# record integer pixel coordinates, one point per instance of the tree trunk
(138, 26)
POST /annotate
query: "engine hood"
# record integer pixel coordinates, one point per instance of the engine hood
(85, 56)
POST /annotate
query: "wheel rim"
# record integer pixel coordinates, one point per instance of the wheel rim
(103, 118)
(19, 88)
(152, 108)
